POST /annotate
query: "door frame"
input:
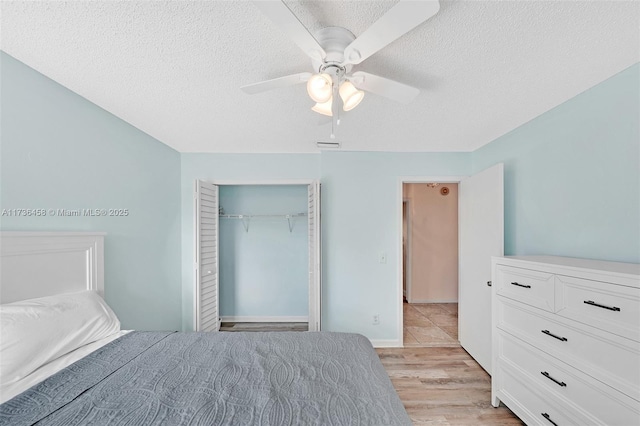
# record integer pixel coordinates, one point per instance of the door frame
(399, 201)
(317, 290)
(407, 247)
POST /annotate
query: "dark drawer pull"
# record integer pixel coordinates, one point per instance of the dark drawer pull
(548, 417)
(548, 333)
(521, 285)
(611, 308)
(548, 376)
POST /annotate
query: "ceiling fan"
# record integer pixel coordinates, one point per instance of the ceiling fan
(335, 50)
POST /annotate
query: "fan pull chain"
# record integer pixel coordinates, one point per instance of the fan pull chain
(335, 108)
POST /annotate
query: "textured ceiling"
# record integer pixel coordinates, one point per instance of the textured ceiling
(173, 69)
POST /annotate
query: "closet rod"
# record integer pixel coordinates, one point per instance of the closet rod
(246, 218)
(251, 216)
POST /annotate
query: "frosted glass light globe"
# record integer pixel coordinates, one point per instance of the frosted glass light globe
(320, 87)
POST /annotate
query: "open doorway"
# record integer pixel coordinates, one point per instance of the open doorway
(430, 263)
(480, 236)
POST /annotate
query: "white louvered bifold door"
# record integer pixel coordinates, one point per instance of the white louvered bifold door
(315, 279)
(206, 262)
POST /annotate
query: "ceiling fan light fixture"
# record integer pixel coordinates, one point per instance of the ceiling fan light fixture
(320, 87)
(323, 108)
(351, 96)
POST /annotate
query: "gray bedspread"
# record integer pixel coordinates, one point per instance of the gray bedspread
(153, 378)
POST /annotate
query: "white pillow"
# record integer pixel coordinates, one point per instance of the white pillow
(36, 331)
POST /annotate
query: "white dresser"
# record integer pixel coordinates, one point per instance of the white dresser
(566, 340)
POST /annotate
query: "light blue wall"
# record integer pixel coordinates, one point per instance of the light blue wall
(59, 150)
(359, 219)
(360, 208)
(572, 175)
(571, 188)
(236, 168)
(264, 267)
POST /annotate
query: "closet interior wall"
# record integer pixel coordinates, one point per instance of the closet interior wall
(264, 259)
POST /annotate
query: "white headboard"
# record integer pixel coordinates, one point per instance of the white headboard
(38, 264)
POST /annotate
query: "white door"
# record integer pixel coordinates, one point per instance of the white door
(315, 289)
(480, 236)
(206, 258)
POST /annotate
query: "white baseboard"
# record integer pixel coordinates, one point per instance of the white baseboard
(263, 319)
(378, 343)
(433, 301)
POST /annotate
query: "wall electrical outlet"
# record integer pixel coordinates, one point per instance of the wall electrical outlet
(382, 257)
(376, 319)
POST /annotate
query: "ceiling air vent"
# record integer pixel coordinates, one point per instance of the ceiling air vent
(328, 145)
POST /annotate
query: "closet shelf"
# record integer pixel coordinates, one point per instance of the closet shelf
(246, 218)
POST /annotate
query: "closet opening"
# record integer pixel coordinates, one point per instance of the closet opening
(258, 256)
(263, 258)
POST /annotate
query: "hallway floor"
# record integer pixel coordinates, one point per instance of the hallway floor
(430, 324)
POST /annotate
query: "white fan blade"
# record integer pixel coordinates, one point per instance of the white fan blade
(399, 20)
(391, 89)
(282, 16)
(276, 83)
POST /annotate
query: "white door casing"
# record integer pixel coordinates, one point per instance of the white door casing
(207, 316)
(406, 250)
(315, 289)
(480, 236)
(400, 191)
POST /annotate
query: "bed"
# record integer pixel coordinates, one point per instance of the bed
(76, 367)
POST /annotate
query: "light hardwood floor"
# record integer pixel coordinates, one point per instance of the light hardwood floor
(443, 386)
(438, 381)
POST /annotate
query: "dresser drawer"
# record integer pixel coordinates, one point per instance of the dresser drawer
(531, 287)
(609, 307)
(613, 360)
(532, 404)
(555, 377)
